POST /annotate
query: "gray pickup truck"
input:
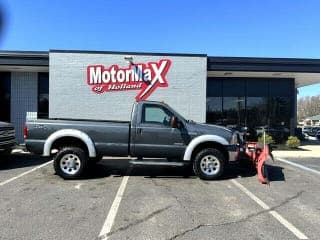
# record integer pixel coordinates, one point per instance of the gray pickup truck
(7, 138)
(155, 131)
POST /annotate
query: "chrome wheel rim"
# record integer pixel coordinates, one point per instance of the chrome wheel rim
(210, 165)
(70, 164)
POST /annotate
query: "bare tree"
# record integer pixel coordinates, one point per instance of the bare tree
(308, 106)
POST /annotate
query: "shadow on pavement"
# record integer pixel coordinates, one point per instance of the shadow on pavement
(20, 161)
(120, 168)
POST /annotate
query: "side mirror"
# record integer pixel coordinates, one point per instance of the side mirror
(175, 123)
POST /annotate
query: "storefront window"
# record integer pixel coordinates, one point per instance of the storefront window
(5, 96)
(214, 110)
(43, 95)
(251, 102)
(257, 111)
(234, 111)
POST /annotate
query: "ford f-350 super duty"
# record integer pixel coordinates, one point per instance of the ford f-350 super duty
(155, 131)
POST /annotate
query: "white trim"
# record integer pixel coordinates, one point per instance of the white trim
(25, 173)
(107, 226)
(298, 166)
(276, 215)
(69, 133)
(201, 139)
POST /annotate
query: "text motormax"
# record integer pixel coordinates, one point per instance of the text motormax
(141, 76)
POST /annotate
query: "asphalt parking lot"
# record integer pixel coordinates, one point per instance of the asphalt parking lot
(118, 202)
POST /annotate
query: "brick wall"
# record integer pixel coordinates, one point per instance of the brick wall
(71, 97)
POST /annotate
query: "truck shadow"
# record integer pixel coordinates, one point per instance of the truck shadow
(14, 161)
(120, 168)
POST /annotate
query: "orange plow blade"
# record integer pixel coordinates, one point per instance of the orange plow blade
(259, 155)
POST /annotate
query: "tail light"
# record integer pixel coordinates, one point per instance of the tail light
(25, 132)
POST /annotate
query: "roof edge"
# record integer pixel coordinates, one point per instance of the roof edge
(129, 53)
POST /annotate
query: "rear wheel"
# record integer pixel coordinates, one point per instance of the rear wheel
(209, 164)
(70, 162)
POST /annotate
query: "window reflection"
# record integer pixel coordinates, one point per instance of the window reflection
(257, 111)
(234, 111)
(251, 102)
(214, 110)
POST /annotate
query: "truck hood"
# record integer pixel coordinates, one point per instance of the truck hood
(202, 129)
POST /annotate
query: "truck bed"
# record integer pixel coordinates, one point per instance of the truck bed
(109, 137)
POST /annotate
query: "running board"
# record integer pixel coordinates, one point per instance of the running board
(158, 163)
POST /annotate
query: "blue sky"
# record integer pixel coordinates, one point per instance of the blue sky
(218, 28)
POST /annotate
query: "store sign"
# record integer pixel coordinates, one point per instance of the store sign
(144, 77)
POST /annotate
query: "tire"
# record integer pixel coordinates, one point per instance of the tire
(209, 164)
(70, 162)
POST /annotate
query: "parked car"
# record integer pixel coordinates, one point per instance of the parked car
(306, 130)
(7, 137)
(155, 131)
(313, 131)
(318, 135)
(278, 133)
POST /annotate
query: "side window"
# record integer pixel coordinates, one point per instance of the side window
(156, 114)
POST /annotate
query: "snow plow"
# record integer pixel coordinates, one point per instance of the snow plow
(255, 155)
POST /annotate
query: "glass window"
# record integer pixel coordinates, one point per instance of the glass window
(234, 87)
(250, 102)
(257, 87)
(214, 110)
(214, 87)
(280, 111)
(257, 111)
(43, 95)
(234, 111)
(157, 115)
(282, 87)
(5, 96)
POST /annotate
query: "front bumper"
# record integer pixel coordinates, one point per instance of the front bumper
(4, 145)
(233, 151)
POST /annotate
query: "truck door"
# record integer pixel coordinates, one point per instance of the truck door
(154, 136)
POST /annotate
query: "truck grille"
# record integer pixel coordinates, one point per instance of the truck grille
(7, 133)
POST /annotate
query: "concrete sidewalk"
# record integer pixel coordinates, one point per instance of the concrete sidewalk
(310, 149)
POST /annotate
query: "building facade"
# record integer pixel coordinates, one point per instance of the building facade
(227, 91)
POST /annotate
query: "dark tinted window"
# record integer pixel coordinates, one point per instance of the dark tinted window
(257, 111)
(234, 111)
(43, 95)
(257, 87)
(283, 87)
(5, 96)
(214, 87)
(250, 101)
(234, 87)
(214, 110)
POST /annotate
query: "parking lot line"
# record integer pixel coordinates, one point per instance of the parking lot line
(113, 210)
(25, 173)
(273, 213)
(298, 165)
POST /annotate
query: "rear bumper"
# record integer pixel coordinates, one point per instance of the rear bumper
(35, 146)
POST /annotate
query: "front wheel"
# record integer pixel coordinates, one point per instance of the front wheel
(70, 162)
(209, 164)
